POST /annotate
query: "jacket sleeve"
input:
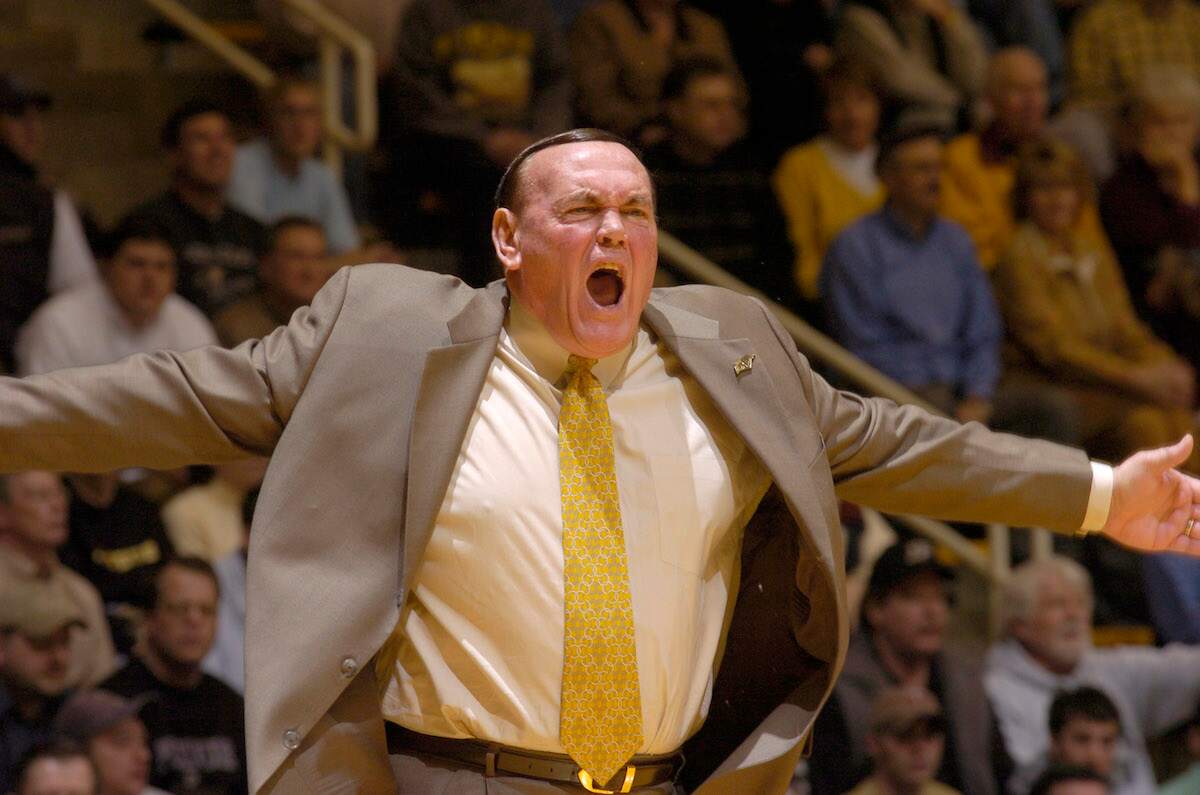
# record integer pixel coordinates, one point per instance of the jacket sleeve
(902, 459)
(165, 410)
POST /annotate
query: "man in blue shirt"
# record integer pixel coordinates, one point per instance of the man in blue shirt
(279, 175)
(905, 291)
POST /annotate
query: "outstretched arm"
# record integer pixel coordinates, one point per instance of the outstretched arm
(166, 410)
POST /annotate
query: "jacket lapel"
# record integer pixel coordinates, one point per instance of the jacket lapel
(750, 403)
(451, 382)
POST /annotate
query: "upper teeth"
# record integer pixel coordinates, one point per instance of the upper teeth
(610, 268)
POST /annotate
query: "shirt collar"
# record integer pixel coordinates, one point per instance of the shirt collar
(994, 147)
(894, 221)
(534, 344)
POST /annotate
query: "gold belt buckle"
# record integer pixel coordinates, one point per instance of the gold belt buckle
(585, 779)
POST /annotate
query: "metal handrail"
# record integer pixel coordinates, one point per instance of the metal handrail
(993, 565)
(333, 36)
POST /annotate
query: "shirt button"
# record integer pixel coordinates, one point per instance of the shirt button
(349, 667)
(291, 739)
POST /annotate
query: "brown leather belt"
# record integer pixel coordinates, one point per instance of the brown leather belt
(495, 760)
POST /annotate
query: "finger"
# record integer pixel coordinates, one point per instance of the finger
(1164, 458)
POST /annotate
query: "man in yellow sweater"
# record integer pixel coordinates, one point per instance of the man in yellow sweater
(980, 166)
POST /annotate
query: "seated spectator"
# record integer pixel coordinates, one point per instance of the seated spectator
(197, 732)
(279, 174)
(36, 625)
(641, 40)
(825, 185)
(55, 767)
(1151, 207)
(902, 641)
(712, 193)
(291, 271)
(906, 739)
(1070, 324)
(981, 167)
(904, 290)
(109, 729)
(132, 309)
(783, 48)
(206, 521)
(1187, 782)
(116, 542)
(226, 661)
(1114, 42)
(44, 248)
(1084, 729)
(475, 84)
(33, 527)
(1070, 781)
(1028, 24)
(217, 243)
(1047, 648)
(927, 57)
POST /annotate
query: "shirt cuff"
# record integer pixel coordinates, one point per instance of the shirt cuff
(1099, 500)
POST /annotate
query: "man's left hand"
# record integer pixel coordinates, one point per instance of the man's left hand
(1152, 502)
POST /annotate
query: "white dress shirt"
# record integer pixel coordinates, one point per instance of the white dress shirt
(84, 326)
(478, 649)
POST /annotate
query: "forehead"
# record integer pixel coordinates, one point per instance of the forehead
(298, 93)
(705, 85)
(178, 581)
(24, 482)
(204, 123)
(918, 150)
(145, 248)
(604, 168)
(1019, 68)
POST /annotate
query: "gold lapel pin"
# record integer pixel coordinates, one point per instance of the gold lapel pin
(744, 364)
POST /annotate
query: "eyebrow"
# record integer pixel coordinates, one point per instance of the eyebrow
(591, 197)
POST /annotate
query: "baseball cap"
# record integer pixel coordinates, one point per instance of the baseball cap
(17, 94)
(898, 710)
(901, 561)
(92, 712)
(37, 608)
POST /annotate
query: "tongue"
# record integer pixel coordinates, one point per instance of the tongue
(604, 287)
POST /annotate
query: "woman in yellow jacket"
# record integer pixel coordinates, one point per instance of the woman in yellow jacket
(1070, 322)
(825, 185)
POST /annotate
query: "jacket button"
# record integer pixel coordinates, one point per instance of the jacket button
(349, 667)
(291, 739)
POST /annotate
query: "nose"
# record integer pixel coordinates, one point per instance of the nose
(611, 233)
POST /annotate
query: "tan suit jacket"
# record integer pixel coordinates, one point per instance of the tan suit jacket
(363, 402)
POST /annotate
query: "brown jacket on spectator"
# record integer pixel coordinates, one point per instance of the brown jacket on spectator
(1070, 317)
(619, 68)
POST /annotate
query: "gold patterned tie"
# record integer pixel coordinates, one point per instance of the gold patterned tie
(601, 723)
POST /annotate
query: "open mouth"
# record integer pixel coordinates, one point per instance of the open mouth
(606, 286)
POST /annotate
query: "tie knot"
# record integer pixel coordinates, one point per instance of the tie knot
(578, 363)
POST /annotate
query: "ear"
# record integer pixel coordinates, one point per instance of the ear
(506, 239)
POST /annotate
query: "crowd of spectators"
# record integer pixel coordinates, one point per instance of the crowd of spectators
(996, 204)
